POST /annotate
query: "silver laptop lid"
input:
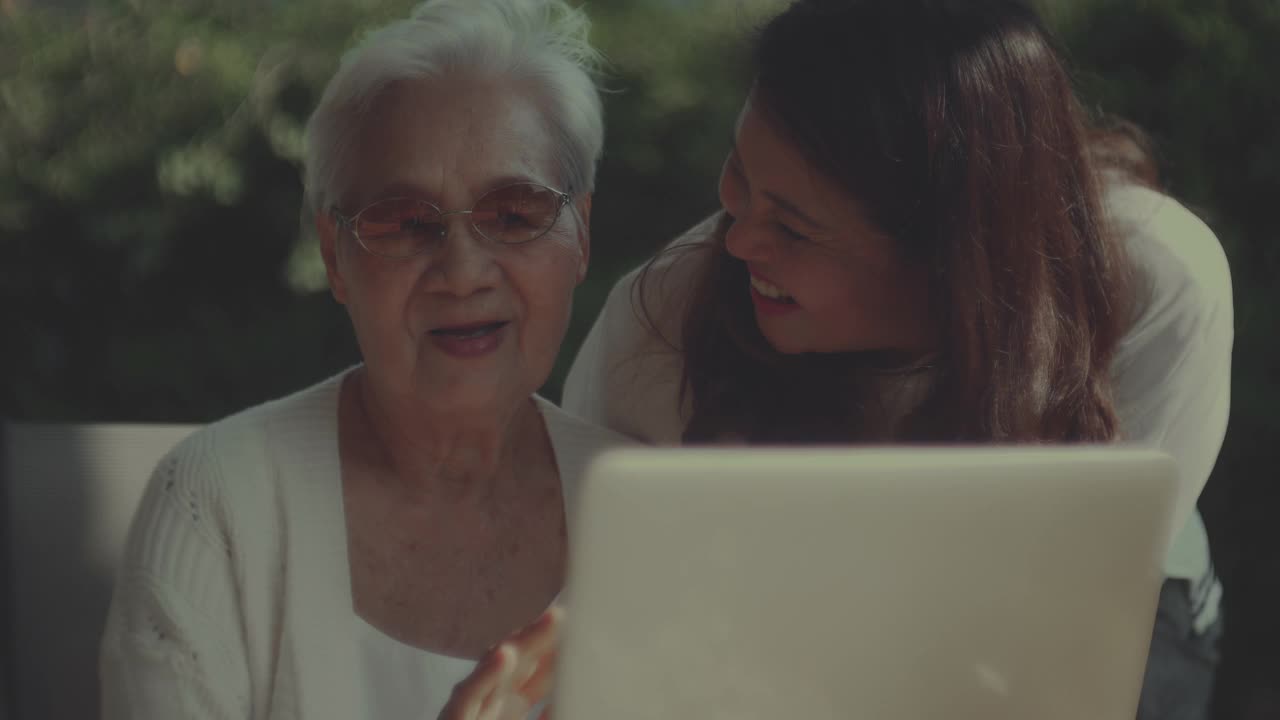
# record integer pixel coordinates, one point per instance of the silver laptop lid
(900, 584)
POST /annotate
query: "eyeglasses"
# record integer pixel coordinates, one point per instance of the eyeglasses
(401, 227)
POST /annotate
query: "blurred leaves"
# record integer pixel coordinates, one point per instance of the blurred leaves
(149, 169)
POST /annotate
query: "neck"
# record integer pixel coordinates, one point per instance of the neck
(451, 456)
(900, 362)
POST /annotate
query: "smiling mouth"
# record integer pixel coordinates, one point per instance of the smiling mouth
(771, 291)
(473, 330)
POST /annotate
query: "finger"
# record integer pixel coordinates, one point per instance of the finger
(546, 714)
(491, 708)
(546, 636)
(545, 626)
(538, 639)
(468, 696)
(539, 684)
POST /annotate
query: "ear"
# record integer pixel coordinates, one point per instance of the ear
(327, 229)
(583, 205)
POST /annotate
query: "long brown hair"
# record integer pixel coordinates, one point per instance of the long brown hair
(955, 126)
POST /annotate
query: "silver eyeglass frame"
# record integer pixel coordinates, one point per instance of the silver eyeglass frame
(348, 222)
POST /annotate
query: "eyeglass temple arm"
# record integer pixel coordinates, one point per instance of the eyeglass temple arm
(342, 220)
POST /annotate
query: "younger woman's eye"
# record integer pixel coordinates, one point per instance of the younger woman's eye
(792, 234)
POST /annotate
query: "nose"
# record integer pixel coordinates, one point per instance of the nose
(463, 263)
(746, 241)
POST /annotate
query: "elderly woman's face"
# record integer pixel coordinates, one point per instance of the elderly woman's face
(469, 323)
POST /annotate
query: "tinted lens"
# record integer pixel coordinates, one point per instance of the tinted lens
(516, 213)
(399, 227)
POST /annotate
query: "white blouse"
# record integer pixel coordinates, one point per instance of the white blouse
(403, 682)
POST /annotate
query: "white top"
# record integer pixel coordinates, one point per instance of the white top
(403, 682)
(1172, 370)
(233, 600)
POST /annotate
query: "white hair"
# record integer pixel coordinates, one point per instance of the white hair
(540, 44)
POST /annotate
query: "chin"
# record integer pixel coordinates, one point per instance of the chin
(783, 345)
(471, 394)
(800, 346)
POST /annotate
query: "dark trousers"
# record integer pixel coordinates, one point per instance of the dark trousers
(1179, 677)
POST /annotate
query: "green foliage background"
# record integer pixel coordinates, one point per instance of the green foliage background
(153, 263)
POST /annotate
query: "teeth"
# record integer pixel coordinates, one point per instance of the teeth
(474, 333)
(769, 290)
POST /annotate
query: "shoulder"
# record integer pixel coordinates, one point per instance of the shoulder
(645, 312)
(574, 437)
(1183, 318)
(232, 465)
(274, 429)
(1177, 259)
(628, 373)
(661, 286)
(652, 297)
(576, 443)
(207, 541)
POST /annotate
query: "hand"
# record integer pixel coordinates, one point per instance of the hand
(511, 678)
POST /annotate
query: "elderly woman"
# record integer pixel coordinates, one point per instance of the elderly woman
(350, 550)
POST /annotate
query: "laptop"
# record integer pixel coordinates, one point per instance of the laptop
(876, 584)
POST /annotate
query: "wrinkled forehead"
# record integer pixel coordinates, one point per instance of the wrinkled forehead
(447, 140)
